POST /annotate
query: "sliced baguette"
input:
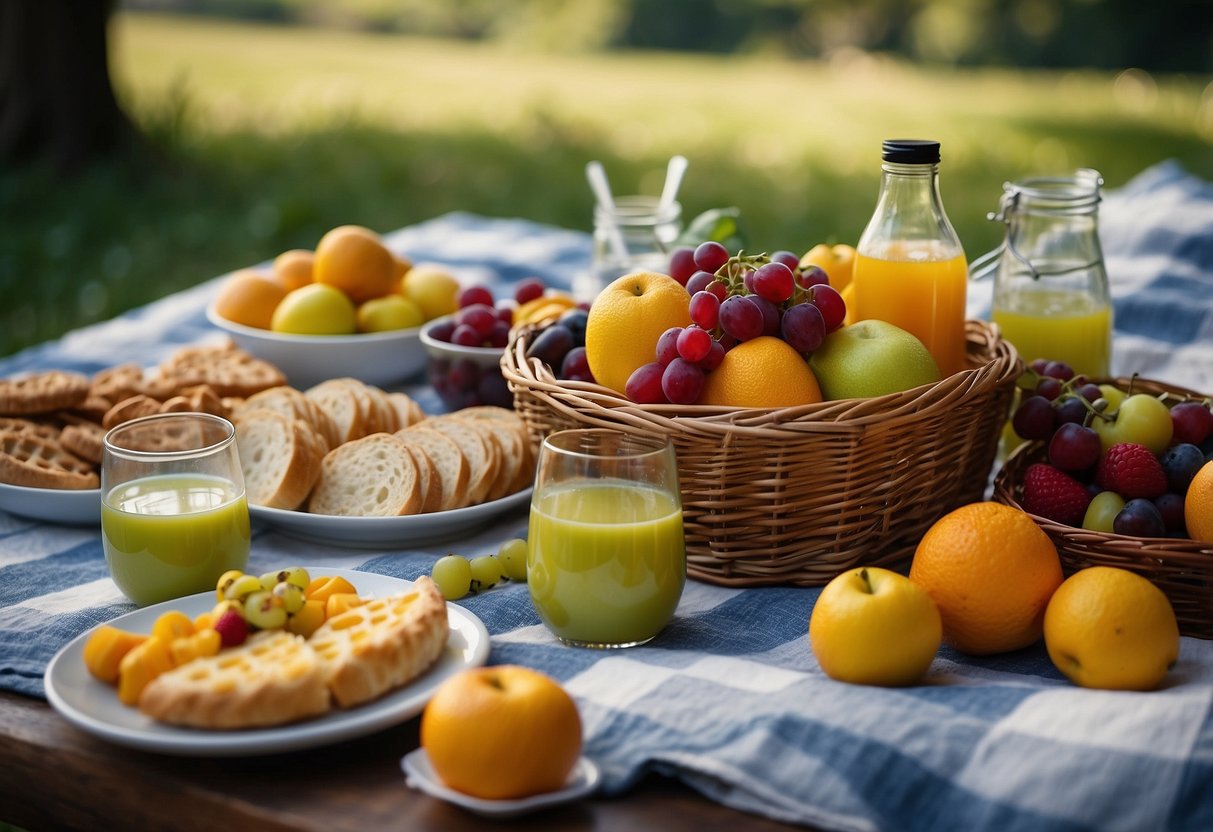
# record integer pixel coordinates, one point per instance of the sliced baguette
(374, 476)
(337, 399)
(452, 467)
(280, 457)
(482, 456)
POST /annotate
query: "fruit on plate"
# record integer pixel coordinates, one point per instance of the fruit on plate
(626, 320)
(871, 626)
(249, 297)
(871, 358)
(353, 259)
(315, 309)
(501, 733)
(1111, 628)
(991, 571)
(764, 372)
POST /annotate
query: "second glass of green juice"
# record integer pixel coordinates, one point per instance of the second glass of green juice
(607, 560)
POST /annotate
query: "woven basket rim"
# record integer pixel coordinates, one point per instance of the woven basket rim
(994, 361)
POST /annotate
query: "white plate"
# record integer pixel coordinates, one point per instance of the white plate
(380, 532)
(420, 775)
(94, 706)
(53, 505)
(378, 358)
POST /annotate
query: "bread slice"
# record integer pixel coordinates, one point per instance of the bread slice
(337, 399)
(291, 402)
(370, 477)
(407, 409)
(273, 678)
(453, 469)
(430, 480)
(383, 644)
(280, 457)
(482, 456)
(512, 433)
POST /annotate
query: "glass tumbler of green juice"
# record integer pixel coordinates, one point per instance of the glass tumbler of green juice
(607, 560)
(173, 515)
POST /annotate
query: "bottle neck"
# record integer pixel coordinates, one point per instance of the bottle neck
(909, 209)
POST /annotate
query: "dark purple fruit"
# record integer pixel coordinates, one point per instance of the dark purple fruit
(551, 345)
(1139, 518)
(1180, 463)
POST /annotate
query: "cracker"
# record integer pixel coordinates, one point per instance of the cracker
(18, 425)
(118, 383)
(26, 459)
(228, 370)
(42, 392)
(85, 440)
(132, 408)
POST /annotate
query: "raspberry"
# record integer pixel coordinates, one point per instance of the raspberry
(232, 628)
(1054, 494)
(1132, 471)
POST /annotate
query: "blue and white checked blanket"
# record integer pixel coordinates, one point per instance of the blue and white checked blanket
(729, 698)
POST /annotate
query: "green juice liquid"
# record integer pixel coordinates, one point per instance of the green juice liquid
(607, 561)
(170, 536)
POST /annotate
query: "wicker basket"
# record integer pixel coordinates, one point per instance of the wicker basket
(798, 495)
(1182, 569)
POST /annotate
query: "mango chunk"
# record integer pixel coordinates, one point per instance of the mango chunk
(105, 649)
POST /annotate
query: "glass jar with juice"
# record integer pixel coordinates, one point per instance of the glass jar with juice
(607, 560)
(1051, 297)
(173, 515)
(910, 268)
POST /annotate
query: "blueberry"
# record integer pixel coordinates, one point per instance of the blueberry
(1180, 463)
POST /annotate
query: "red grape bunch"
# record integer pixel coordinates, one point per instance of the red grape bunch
(1117, 461)
(735, 298)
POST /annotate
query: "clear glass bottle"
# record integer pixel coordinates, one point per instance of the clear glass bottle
(910, 268)
(637, 236)
(1051, 296)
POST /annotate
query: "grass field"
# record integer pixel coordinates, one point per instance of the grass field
(268, 136)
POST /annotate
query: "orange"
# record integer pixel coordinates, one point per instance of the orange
(991, 571)
(625, 321)
(403, 264)
(248, 297)
(764, 372)
(1111, 628)
(1198, 505)
(501, 732)
(837, 261)
(294, 268)
(354, 260)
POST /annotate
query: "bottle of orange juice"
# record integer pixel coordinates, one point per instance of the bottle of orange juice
(910, 268)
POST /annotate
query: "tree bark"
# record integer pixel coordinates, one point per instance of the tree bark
(57, 103)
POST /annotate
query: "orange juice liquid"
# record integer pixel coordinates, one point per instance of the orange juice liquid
(920, 288)
(1061, 326)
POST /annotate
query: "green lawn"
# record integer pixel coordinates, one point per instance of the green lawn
(271, 135)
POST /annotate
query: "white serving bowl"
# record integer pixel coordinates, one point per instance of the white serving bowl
(379, 358)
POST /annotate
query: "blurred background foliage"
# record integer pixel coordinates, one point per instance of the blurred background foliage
(270, 121)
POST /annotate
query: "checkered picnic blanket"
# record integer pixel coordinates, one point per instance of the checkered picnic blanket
(729, 697)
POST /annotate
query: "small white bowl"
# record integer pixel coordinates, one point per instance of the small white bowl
(378, 358)
(464, 376)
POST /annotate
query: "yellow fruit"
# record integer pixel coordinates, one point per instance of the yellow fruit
(848, 298)
(837, 261)
(871, 626)
(625, 321)
(390, 312)
(764, 372)
(1198, 505)
(105, 649)
(249, 298)
(1111, 628)
(991, 571)
(294, 268)
(543, 307)
(307, 618)
(140, 666)
(432, 288)
(172, 625)
(339, 602)
(315, 309)
(479, 731)
(199, 645)
(353, 259)
(321, 588)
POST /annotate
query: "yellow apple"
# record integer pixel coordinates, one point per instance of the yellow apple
(837, 261)
(501, 732)
(432, 288)
(315, 309)
(387, 313)
(871, 626)
(871, 358)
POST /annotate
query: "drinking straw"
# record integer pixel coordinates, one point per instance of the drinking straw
(596, 174)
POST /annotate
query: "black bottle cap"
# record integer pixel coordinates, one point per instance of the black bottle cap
(910, 151)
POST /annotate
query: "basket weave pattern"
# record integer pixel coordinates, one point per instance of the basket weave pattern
(798, 495)
(1182, 569)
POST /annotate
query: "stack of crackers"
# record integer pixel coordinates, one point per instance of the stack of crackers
(347, 448)
(52, 423)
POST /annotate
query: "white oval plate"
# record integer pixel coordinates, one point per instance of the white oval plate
(380, 532)
(94, 706)
(420, 775)
(52, 505)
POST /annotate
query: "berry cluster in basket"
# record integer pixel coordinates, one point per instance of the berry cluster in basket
(735, 299)
(1118, 461)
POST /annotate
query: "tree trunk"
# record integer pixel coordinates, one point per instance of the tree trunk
(56, 100)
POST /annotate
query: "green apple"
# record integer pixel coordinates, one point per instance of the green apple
(1140, 418)
(315, 309)
(387, 313)
(871, 358)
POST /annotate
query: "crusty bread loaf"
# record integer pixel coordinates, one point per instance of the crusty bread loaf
(453, 470)
(273, 678)
(370, 477)
(371, 649)
(280, 457)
